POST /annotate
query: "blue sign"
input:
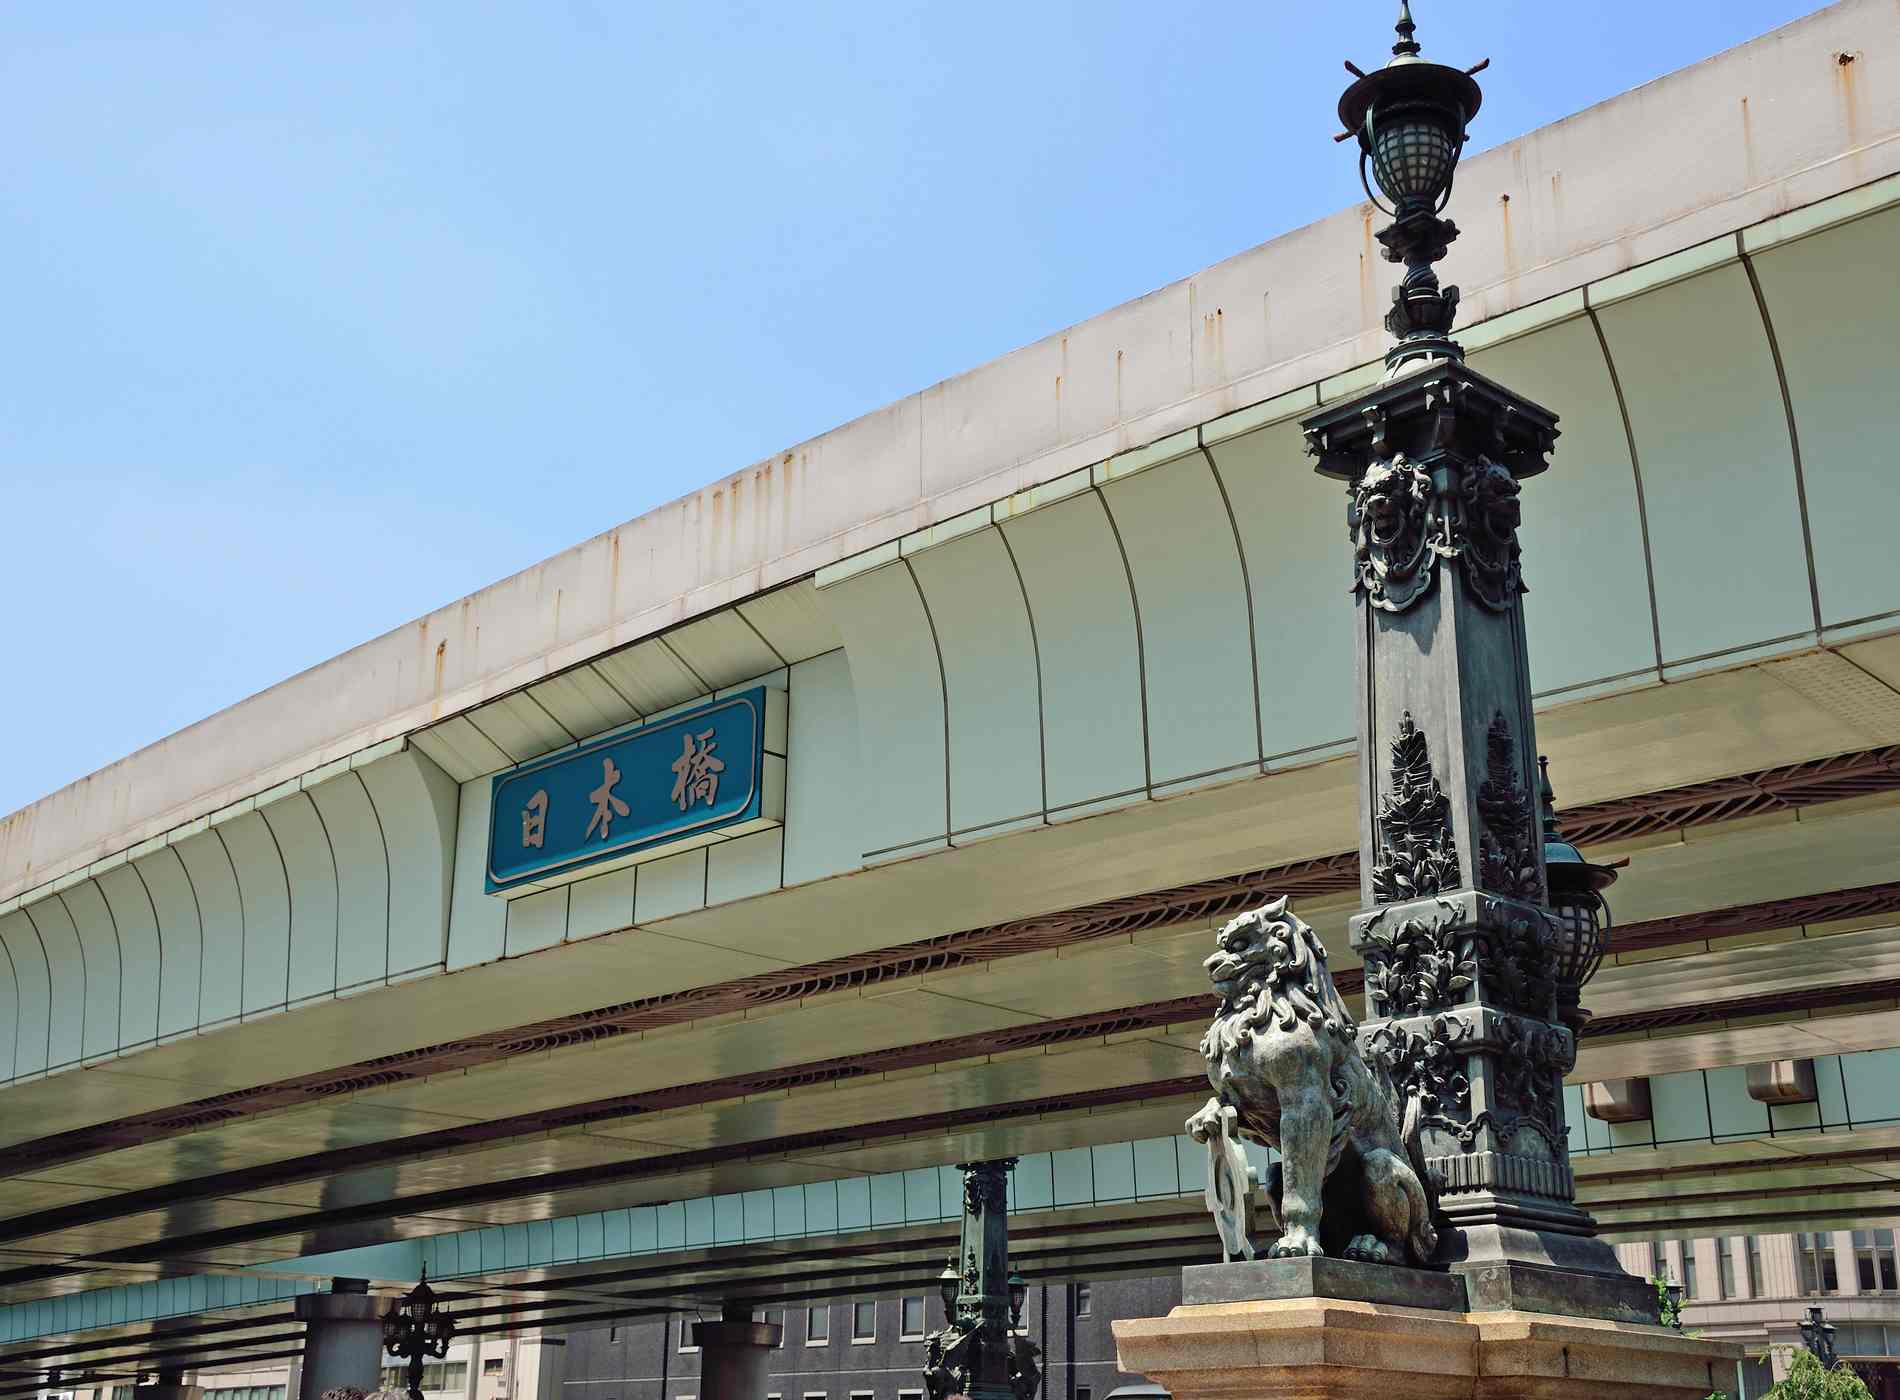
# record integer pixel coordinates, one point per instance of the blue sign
(684, 776)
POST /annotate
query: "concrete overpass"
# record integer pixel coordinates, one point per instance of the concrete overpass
(1062, 645)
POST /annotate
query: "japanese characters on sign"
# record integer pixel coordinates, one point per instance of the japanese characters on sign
(629, 793)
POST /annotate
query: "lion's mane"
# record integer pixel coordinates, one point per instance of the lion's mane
(1285, 980)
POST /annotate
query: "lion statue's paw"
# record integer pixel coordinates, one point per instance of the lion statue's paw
(1297, 1244)
(1371, 1249)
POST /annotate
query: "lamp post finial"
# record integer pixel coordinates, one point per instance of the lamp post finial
(1407, 46)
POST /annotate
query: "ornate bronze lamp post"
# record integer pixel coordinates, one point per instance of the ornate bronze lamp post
(416, 1328)
(1480, 923)
(978, 1353)
(1817, 1335)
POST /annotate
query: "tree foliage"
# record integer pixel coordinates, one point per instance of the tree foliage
(1808, 1381)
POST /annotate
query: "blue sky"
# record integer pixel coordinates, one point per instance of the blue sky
(320, 316)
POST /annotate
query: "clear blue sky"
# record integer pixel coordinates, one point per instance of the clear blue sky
(318, 316)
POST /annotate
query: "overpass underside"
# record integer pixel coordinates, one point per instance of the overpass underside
(1048, 724)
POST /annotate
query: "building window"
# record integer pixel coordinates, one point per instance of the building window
(1874, 1261)
(1751, 1259)
(776, 1317)
(817, 1326)
(1725, 1268)
(864, 1322)
(436, 1376)
(911, 1319)
(910, 1395)
(493, 1366)
(613, 1331)
(1082, 1301)
(1814, 1262)
(223, 1392)
(1083, 1392)
(1689, 1289)
(861, 1395)
(686, 1334)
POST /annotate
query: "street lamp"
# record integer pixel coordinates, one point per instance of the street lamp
(416, 1328)
(1479, 922)
(1410, 118)
(1817, 1335)
(1582, 923)
(978, 1353)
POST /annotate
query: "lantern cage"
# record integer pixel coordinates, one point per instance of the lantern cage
(416, 1326)
(1410, 117)
(949, 1284)
(1018, 1290)
(1582, 919)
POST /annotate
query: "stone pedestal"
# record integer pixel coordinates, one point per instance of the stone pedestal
(1339, 1349)
(342, 1339)
(733, 1353)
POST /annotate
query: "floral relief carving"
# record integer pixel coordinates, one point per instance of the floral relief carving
(1531, 1060)
(1427, 1067)
(1417, 855)
(1507, 862)
(1419, 964)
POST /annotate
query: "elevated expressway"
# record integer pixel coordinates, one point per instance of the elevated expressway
(1065, 648)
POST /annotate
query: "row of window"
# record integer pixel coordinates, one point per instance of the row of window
(244, 1392)
(912, 1322)
(436, 1375)
(1874, 1262)
(1725, 1280)
(1817, 1266)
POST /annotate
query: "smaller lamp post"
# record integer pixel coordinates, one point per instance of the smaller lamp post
(416, 1328)
(1817, 1335)
(977, 1354)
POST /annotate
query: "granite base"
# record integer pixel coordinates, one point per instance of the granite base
(1341, 1349)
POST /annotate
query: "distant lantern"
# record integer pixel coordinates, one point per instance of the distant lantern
(949, 1282)
(416, 1327)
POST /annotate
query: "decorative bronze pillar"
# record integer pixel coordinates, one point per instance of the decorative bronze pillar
(1464, 958)
(977, 1353)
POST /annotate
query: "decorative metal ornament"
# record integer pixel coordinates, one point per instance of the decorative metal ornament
(1427, 1068)
(1518, 966)
(1389, 515)
(1417, 855)
(1419, 964)
(1486, 535)
(1507, 863)
(1532, 1060)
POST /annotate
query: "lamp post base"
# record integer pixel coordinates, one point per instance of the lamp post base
(1340, 1349)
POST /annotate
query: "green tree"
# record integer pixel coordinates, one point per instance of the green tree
(1809, 1381)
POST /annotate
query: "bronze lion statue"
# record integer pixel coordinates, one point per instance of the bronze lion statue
(1282, 1053)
